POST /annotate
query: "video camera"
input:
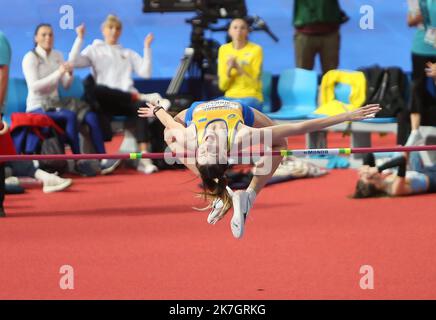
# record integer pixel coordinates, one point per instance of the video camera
(213, 9)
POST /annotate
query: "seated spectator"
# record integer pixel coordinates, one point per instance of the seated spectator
(240, 67)
(44, 68)
(376, 181)
(112, 69)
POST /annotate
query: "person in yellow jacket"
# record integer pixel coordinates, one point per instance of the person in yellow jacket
(240, 67)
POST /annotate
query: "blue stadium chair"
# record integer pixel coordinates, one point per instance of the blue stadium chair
(297, 89)
(342, 92)
(266, 91)
(380, 120)
(16, 98)
(76, 89)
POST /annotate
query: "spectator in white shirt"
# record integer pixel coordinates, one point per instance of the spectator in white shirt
(44, 68)
(112, 69)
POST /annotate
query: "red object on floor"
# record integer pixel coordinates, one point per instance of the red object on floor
(7, 144)
(132, 236)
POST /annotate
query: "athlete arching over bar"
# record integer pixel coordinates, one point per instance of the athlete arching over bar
(212, 128)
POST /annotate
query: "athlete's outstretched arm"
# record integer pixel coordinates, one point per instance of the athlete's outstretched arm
(175, 131)
(286, 130)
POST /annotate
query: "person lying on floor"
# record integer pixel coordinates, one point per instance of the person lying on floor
(378, 181)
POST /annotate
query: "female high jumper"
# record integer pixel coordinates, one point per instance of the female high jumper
(212, 129)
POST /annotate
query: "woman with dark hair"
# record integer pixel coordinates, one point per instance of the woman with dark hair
(44, 68)
(375, 181)
(213, 129)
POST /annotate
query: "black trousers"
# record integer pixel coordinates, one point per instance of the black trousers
(22, 168)
(119, 103)
(428, 118)
(421, 100)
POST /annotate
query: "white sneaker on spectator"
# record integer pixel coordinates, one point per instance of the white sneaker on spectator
(12, 180)
(51, 182)
(55, 183)
(156, 99)
(108, 166)
(150, 97)
(165, 103)
(146, 166)
(242, 203)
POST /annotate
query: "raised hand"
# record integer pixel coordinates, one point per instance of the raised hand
(365, 112)
(66, 67)
(80, 31)
(430, 70)
(148, 40)
(146, 112)
(231, 63)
